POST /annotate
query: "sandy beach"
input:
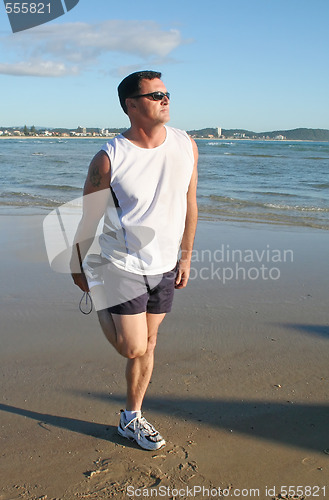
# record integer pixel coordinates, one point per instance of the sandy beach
(239, 391)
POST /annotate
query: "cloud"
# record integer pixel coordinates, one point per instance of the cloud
(37, 68)
(78, 41)
(69, 48)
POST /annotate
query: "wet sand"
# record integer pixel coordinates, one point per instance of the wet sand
(239, 391)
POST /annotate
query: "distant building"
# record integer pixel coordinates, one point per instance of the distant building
(81, 131)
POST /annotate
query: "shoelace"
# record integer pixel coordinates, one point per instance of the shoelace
(148, 426)
(141, 424)
(137, 428)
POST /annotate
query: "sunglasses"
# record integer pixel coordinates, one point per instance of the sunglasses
(155, 96)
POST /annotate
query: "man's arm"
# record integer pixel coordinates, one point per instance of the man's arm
(95, 197)
(191, 220)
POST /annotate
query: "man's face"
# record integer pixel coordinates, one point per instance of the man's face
(148, 109)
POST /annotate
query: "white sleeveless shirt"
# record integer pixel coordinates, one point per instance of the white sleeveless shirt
(144, 221)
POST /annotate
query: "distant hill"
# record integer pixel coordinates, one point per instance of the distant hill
(297, 134)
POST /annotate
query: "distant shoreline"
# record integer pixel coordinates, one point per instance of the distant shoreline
(60, 138)
(298, 134)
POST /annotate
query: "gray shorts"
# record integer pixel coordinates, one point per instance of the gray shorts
(157, 296)
(122, 292)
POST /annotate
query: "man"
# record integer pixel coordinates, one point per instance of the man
(151, 173)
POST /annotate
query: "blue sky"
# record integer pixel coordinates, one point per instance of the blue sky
(259, 64)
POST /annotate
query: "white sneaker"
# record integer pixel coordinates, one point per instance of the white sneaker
(141, 431)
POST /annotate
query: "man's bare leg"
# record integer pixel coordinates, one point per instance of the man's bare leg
(108, 326)
(127, 333)
(134, 337)
(139, 370)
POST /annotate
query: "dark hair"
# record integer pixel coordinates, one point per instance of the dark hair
(131, 85)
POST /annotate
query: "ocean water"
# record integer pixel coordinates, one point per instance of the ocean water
(276, 182)
(266, 181)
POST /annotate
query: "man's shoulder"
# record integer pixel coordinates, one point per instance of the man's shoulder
(176, 130)
(178, 133)
(113, 141)
(181, 136)
(112, 144)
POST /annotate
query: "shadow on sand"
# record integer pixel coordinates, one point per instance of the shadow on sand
(100, 431)
(292, 424)
(316, 330)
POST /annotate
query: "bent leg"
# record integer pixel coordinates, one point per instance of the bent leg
(139, 370)
(106, 321)
(134, 337)
(127, 333)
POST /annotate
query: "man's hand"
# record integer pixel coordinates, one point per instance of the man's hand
(184, 265)
(183, 273)
(81, 281)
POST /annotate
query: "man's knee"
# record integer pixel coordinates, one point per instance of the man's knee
(131, 351)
